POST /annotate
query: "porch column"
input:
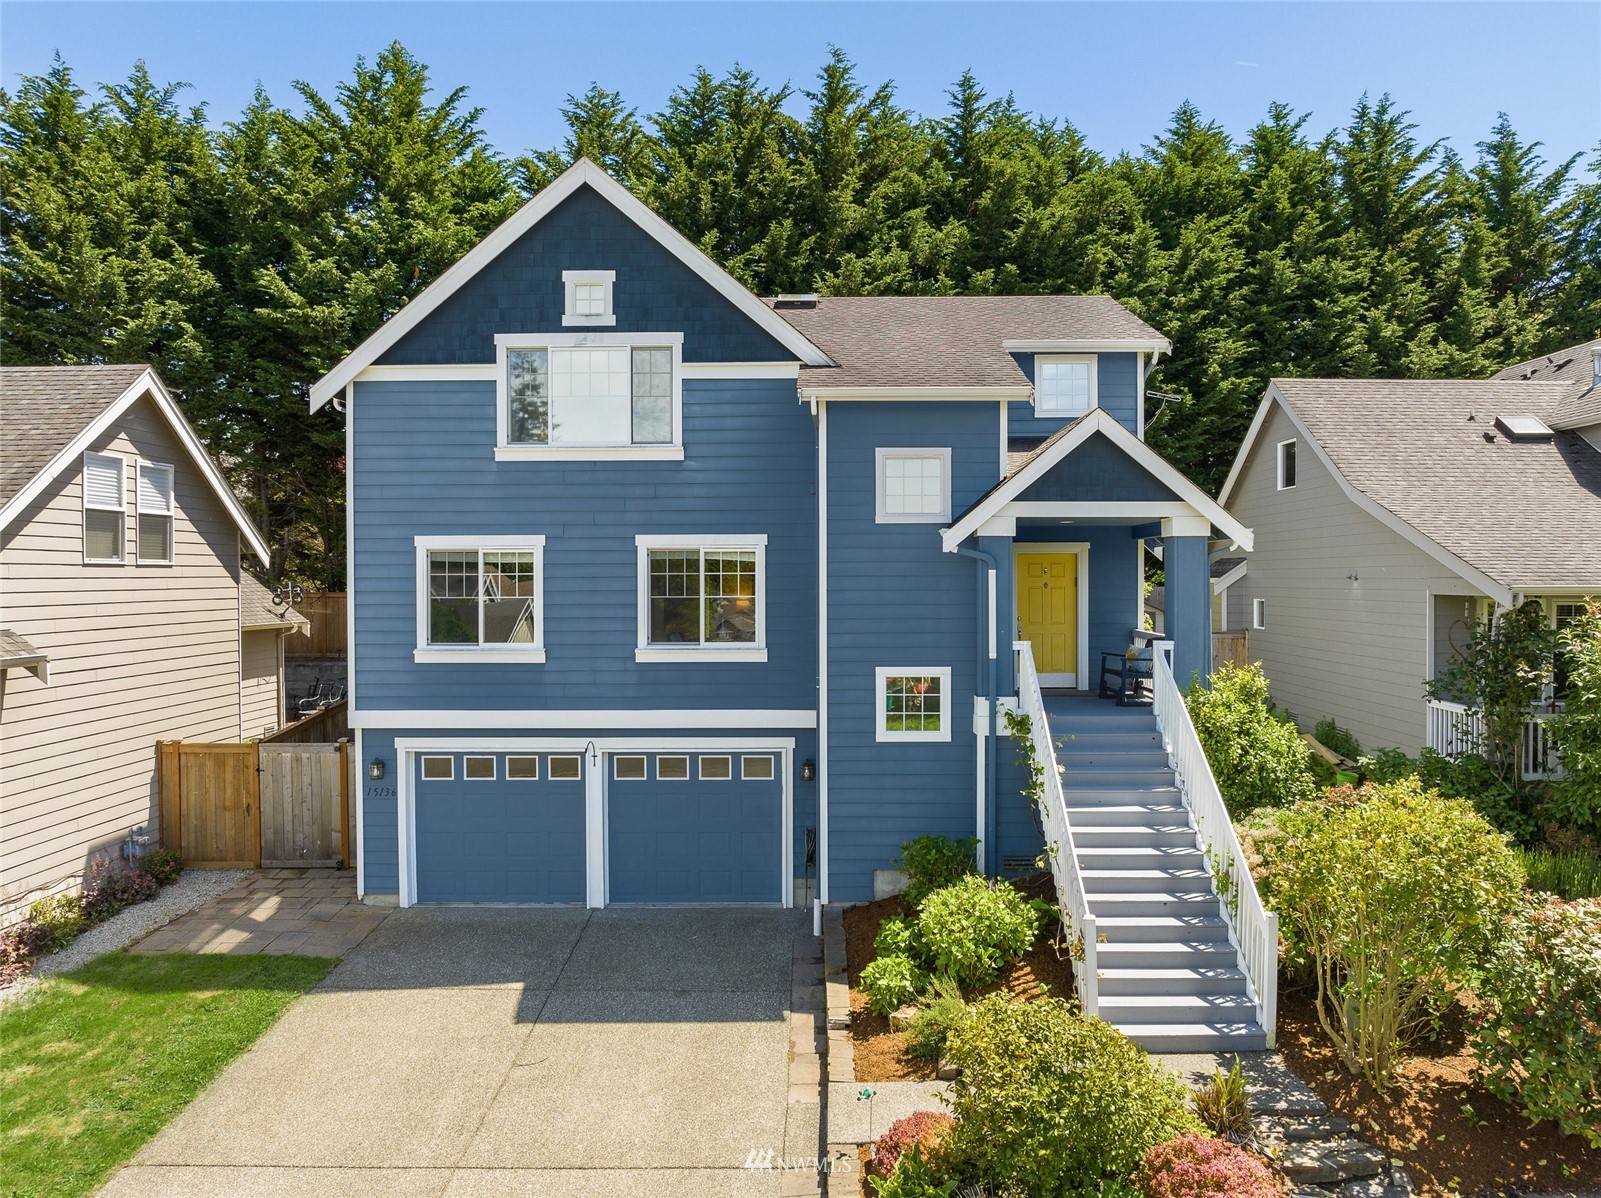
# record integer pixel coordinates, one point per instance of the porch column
(1189, 596)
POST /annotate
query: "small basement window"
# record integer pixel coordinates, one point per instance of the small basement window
(1258, 613)
(439, 769)
(565, 767)
(1286, 465)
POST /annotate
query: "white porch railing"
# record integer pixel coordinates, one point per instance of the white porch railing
(1253, 929)
(1454, 729)
(1070, 894)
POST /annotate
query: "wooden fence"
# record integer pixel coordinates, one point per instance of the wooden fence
(236, 806)
(326, 636)
(323, 727)
(1230, 646)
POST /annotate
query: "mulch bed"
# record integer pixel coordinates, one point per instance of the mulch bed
(1425, 1120)
(881, 1054)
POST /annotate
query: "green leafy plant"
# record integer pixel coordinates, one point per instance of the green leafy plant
(1198, 1166)
(925, 1130)
(1393, 896)
(1538, 1035)
(1568, 875)
(1337, 739)
(896, 937)
(933, 862)
(891, 982)
(1509, 806)
(1224, 1103)
(1049, 1100)
(914, 1177)
(1258, 759)
(62, 914)
(1576, 733)
(164, 865)
(939, 1009)
(972, 928)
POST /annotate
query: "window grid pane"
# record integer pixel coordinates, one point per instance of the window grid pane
(590, 299)
(102, 535)
(1063, 386)
(730, 597)
(914, 486)
(912, 703)
(155, 537)
(509, 596)
(675, 591)
(453, 597)
(589, 398)
(528, 403)
(653, 397)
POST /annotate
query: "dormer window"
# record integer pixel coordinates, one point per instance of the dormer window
(1065, 384)
(589, 297)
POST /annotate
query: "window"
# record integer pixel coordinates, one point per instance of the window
(702, 600)
(589, 297)
(105, 507)
(1258, 613)
(590, 396)
(439, 769)
(914, 486)
(716, 769)
(155, 521)
(1286, 465)
(480, 601)
(756, 769)
(628, 769)
(1065, 384)
(672, 769)
(522, 767)
(479, 769)
(913, 704)
(565, 767)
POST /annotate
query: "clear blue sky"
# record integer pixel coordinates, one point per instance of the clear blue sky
(1116, 70)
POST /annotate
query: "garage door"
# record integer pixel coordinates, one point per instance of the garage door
(695, 828)
(500, 828)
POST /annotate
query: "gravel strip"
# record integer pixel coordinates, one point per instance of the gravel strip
(193, 887)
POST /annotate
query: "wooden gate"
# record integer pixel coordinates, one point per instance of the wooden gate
(303, 800)
(210, 809)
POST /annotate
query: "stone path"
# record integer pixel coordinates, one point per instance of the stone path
(310, 911)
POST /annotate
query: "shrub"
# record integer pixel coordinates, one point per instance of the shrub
(62, 914)
(914, 1177)
(1394, 896)
(972, 928)
(1337, 739)
(1501, 674)
(1576, 733)
(1224, 1104)
(1258, 759)
(1049, 1100)
(931, 863)
(891, 982)
(1568, 875)
(1507, 805)
(895, 938)
(1539, 1032)
(110, 886)
(21, 946)
(164, 865)
(926, 1130)
(1193, 1166)
(938, 1010)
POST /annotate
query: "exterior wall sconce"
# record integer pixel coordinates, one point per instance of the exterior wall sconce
(375, 769)
(1351, 577)
(808, 771)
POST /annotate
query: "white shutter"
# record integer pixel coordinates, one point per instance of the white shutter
(155, 489)
(102, 481)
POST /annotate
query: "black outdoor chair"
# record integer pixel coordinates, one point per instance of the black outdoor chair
(1128, 678)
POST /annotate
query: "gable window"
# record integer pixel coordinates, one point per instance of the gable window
(590, 396)
(589, 297)
(105, 507)
(1258, 613)
(480, 600)
(1286, 465)
(1065, 384)
(913, 704)
(702, 598)
(914, 486)
(155, 522)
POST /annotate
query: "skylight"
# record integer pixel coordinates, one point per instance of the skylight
(1523, 428)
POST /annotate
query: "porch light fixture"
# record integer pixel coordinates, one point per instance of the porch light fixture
(375, 769)
(808, 771)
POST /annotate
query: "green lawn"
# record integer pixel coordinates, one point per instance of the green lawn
(103, 1057)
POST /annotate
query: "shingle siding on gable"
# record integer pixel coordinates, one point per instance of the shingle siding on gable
(1118, 385)
(1098, 472)
(521, 291)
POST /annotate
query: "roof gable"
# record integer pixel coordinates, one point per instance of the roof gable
(1098, 471)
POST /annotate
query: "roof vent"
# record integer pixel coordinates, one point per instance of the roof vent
(1595, 365)
(1523, 428)
(796, 301)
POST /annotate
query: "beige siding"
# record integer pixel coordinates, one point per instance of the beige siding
(138, 653)
(260, 684)
(1354, 650)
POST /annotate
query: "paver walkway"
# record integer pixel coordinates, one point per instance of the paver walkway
(309, 911)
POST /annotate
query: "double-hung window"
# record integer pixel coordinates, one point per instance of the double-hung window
(480, 599)
(913, 704)
(155, 523)
(105, 507)
(702, 598)
(1065, 384)
(590, 396)
(914, 486)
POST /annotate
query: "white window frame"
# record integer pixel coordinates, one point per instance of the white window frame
(700, 766)
(1279, 459)
(744, 767)
(617, 767)
(530, 655)
(555, 757)
(1093, 361)
(122, 485)
(448, 758)
(882, 674)
(644, 651)
(468, 776)
(661, 757)
(572, 280)
(883, 516)
(171, 513)
(507, 451)
(1259, 613)
(533, 777)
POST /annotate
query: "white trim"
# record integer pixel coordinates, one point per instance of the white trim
(1090, 360)
(914, 394)
(482, 652)
(356, 852)
(700, 767)
(508, 450)
(1139, 394)
(147, 384)
(122, 461)
(1185, 526)
(1224, 581)
(470, 372)
(1082, 550)
(494, 770)
(171, 513)
(882, 456)
(1091, 345)
(533, 777)
(822, 662)
(882, 733)
(447, 757)
(572, 280)
(1259, 614)
(717, 651)
(572, 453)
(617, 760)
(998, 526)
(1098, 421)
(598, 718)
(662, 653)
(1006, 436)
(741, 370)
(467, 654)
(525, 218)
(699, 540)
(350, 544)
(1143, 511)
(746, 776)
(661, 757)
(981, 727)
(1482, 582)
(1279, 459)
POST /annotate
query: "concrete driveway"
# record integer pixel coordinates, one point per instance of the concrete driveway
(501, 1051)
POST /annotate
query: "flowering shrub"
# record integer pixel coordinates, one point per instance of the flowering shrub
(1194, 1166)
(110, 886)
(163, 865)
(925, 1130)
(972, 928)
(1538, 1038)
(891, 982)
(20, 946)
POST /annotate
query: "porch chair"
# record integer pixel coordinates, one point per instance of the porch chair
(1127, 677)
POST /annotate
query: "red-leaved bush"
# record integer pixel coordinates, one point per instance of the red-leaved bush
(922, 1129)
(1194, 1166)
(21, 946)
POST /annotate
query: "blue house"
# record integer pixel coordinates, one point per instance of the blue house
(664, 593)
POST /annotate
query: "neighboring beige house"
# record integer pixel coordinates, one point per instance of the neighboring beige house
(1391, 514)
(127, 616)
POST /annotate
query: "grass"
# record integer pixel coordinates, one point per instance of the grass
(1571, 875)
(102, 1058)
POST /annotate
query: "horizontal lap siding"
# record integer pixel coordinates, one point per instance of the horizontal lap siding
(1119, 394)
(261, 706)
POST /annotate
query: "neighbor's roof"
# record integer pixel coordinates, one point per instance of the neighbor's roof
(1574, 367)
(1527, 514)
(256, 609)
(952, 340)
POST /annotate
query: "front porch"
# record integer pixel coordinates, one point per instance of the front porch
(1455, 729)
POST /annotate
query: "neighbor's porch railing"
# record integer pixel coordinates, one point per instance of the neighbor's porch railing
(1252, 927)
(1070, 895)
(1454, 729)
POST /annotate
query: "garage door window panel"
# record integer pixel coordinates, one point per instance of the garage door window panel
(672, 769)
(522, 768)
(438, 769)
(757, 769)
(478, 769)
(716, 769)
(565, 768)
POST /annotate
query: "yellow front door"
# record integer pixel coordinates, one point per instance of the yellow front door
(1047, 613)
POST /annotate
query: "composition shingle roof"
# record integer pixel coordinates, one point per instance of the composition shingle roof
(42, 408)
(1574, 367)
(948, 341)
(256, 608)
(1525, 513)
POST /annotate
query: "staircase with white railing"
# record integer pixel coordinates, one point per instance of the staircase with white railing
(1179, 954)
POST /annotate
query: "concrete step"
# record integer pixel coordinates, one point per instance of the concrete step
(1074, 759)
(1160, 815)
(1160, 929)
(1176, 954)
(1102, 716)
(1119, 1009)
(1095, 856)
(1093, 838)
(1191, 904)
(1133, 741)
(1133, 778)
(1086, 794)
(1246, 1036)
(1170, 880)
(1214, 980)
